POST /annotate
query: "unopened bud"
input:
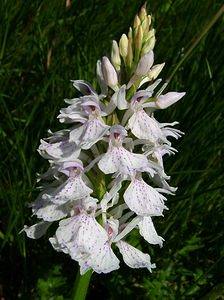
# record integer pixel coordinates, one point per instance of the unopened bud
(164, 101)
(123, 45)
(143, 13)
(130, 33)
(155, 70)
(145, 64)
(149, 45)
(129, 58)
(138, 38)
(150, 34)
(115, 56)
(149, 19)
(137, 22)
(145, 26)
(109, 73)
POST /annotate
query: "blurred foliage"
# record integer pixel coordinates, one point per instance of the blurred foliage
(45, 44)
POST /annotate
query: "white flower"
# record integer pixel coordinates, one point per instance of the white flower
(92, 130)
(85, 240)
(142, 125)
(117, 158)
(73, 188)
(143, 199)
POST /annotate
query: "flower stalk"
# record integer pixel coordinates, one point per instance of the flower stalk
(81, 286)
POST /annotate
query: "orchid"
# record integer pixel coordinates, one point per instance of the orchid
(110, 162)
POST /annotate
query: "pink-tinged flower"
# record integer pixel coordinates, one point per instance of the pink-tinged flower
(109, 73)
(133, 257)
(117, 158)
(143, 67)
(92, 130)
(143, 199)
(142, 125)
(73, 188)
(168, 99)
(85, 240)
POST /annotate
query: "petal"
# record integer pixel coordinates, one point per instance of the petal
(37, 230)
(143, 199)
(48, 211)
(147, 230)
(81, 235)
(166, 100)
(103, 86)
(88, 134)
(119, 98)
(133, 257)
(84, 87)
(144, 127)
(73, 189)
(62, 150)
(119, 159)
(103, 260)
(145, 64)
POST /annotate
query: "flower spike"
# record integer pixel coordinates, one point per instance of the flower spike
(106, 176)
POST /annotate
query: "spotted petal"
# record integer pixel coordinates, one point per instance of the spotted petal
(143, 199)
(101, 261)
(81, 235)
(145, 127)
(133, 257)
(118, 159)
(73, 189)
(89, 133)
(48, 211)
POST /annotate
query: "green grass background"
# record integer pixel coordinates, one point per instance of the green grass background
(43, 45)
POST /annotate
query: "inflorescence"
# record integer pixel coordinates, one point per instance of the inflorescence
(106, 176)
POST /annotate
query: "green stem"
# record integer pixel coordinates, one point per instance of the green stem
(198, 39)
(81, 285)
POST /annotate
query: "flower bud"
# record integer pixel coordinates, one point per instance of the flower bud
(115, 56)
(145, 26)
(155, 70)
(123, 46)
(149, 19)
(138, 38)
(130, 33)
(129, 58)
(164, 101)
(137, 22)
(145, 64)
(109, 73)
(143, 13)
(149, 45)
